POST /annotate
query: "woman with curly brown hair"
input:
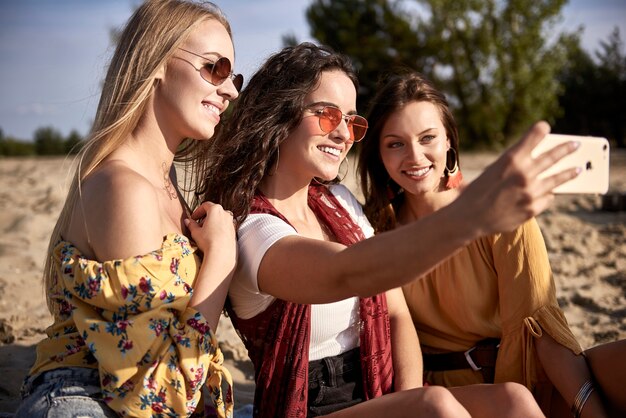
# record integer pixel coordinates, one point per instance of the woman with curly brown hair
(317, 304)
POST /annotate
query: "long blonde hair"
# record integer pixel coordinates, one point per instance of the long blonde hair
(148, 40)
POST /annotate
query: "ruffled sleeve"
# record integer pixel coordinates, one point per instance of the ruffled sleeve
(153, 351)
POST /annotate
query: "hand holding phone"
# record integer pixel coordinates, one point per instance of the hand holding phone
(592, 157)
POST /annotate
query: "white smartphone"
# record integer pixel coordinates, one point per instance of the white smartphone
(592, 157)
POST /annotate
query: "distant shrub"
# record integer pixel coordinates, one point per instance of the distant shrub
(73, 143)
(13, 148)
(47, 141)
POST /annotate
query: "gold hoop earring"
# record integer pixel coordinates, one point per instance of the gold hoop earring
(452, 171)
(454, 176)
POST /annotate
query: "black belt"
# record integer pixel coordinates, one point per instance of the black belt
(482, 357)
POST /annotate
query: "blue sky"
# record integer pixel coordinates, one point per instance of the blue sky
(53, 53)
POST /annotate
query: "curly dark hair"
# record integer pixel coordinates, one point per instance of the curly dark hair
(268, 109)
(381, 193)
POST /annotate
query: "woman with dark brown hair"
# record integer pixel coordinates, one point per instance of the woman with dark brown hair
(489, 312)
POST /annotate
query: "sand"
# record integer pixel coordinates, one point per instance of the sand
(587, 248)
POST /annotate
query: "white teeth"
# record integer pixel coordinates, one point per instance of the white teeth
(418, 173)
(329, 150)
(211, 108)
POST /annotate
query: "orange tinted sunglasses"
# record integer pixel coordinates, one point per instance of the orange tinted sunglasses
(330, 117)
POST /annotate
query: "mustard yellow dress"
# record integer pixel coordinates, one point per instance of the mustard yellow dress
(500, 286)
(130, 319)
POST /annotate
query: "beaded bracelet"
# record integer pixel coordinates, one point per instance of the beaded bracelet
(581, 397)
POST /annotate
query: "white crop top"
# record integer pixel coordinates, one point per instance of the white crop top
(334, 326)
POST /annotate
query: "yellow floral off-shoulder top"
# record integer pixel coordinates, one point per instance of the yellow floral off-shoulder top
(130, 319)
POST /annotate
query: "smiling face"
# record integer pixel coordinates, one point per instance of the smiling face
(413, 147)
(185, 104)
(309, 152)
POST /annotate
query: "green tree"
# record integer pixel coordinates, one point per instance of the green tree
(48, 141)
(492, 58)
(12, 147)
(502, 68)
(73, 143)
(594, 96)
(577, 79)
(376, 34)
(611, 98)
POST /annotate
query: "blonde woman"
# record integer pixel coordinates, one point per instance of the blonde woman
(130, 336)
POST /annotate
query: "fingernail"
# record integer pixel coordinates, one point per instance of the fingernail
(579, 170)
(576, 144)
(186, 221)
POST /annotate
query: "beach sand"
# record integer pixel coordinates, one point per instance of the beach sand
(587, 249)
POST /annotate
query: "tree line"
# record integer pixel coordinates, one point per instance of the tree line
(501, 64)
(46, 141)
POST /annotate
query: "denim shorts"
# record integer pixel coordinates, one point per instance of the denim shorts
(335, 383)
(72, 392)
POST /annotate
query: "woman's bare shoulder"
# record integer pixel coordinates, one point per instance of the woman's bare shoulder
(121, 212)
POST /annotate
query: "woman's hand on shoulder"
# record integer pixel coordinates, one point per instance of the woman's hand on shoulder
(122, 213)
(510, 191)
(213, 230)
